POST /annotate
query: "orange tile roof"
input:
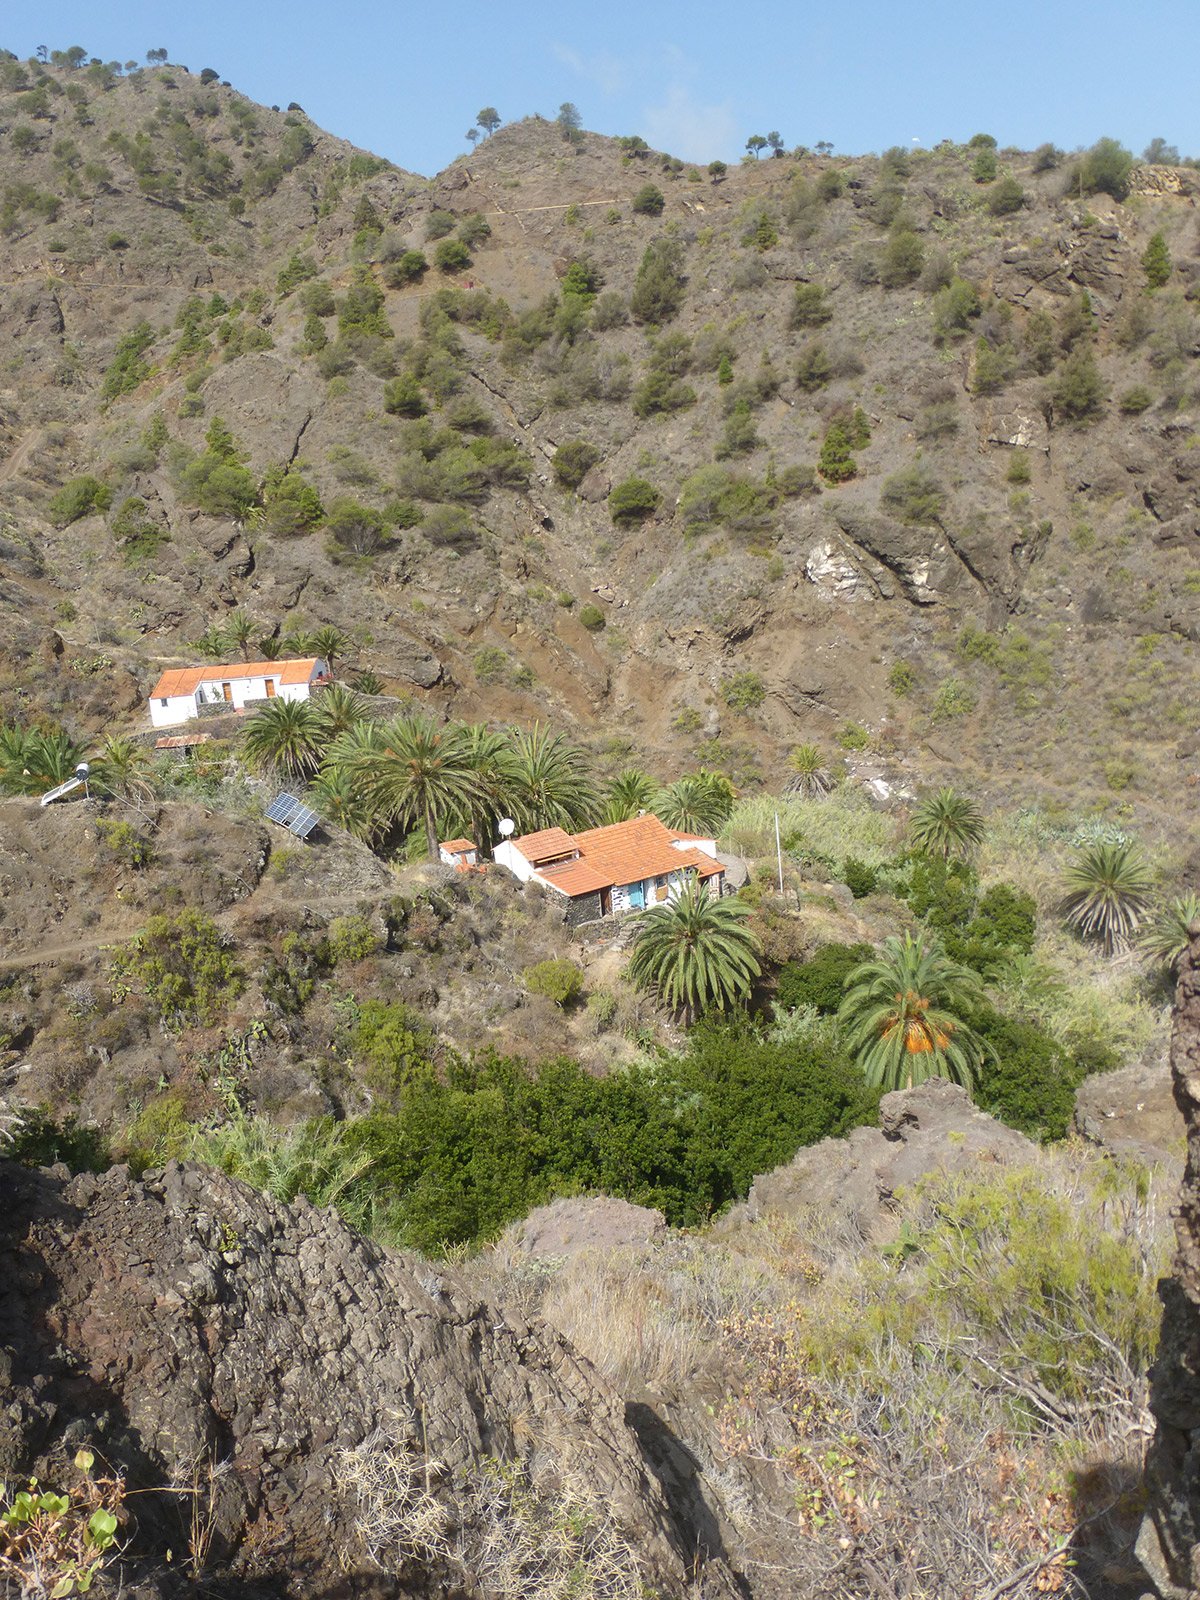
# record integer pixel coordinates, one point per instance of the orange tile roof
(454, 846)
(628, 851)
(576, 877)
(543, 846)
(186, 680)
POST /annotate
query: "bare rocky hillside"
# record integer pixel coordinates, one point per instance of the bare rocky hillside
(1006, 586)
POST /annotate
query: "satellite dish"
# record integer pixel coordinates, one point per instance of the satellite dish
(507, 827)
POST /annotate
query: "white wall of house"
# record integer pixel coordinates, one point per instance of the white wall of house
(507, 854)
(173, 710)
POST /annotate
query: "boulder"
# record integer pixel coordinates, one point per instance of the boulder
(303, 1381)
(570, 1227)
(854, 1181)
(1131, 1112)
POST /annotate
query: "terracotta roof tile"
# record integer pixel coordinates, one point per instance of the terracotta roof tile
(455, 846)
(576, 877)
(186, 680)
(629, 851)
(545, 845)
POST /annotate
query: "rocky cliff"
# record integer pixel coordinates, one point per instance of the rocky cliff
(299, 1412)
(1169, 1544)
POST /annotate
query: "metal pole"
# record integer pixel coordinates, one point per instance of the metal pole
(778, 852)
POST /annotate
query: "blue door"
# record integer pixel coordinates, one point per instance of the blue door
(637, 896)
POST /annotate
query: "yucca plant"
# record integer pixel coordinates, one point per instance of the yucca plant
(1109, 886)
(903, 1015)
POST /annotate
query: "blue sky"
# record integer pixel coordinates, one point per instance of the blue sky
(695, 79)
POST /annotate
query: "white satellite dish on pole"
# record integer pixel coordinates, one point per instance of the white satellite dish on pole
(507, 827)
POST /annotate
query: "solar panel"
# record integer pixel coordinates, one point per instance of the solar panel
(303, 823)
(293, 815)
(282, 809)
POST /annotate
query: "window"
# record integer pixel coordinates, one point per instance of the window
(162, 702)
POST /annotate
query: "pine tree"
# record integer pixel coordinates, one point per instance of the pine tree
(1156, 262)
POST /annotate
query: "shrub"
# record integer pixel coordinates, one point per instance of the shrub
(744, 691)
(820, 982)
(632, 501)
(573, 460)
(1005, 197)
(558, 980)
(395, 1044)
(451, 527)
(1030, 1081)
(1105, 169)
(1078, 392)
(859, 878)
(835, 463)
(591, 617)
(659, 285)
(914, 494)
(350, 938)
(78, 497)
(451, 255)
(1136, 400)
(1156, 262)
(648, 201)
(127, 369)
(983, 168)
(809, 308)
(659, 393)
(408, 268)
(954, 699)
(903, 258)
(813, 367)
(354, 527)
(183, 965)
(954, 307)
(438, 224)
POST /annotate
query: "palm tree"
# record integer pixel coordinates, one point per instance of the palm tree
(495, 766)
(121, 769)
(343, 800)
(270, 648)
(697, 803)
(32, 762)
(338, 710)
(368, 682)
(946, 824)
(285, 736)
(629, 795)
(1167, 936)
(1108, 891)
(419, 774)
(695, 952)
(902, 1012)
(239, 629)
(552, 786)
(810, 776)
(329, 643)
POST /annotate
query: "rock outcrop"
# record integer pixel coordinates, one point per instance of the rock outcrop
(933, 1128)
(266, 1363)
(1169, 1543)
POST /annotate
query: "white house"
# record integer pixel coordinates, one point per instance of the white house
(605, 871)
(187, 692)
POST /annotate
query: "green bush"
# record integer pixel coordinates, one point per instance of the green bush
(1005, 197)
(591, 617)
(914, 494)
(632, 501)
(451, 255)
(351, 938)
(42, 1140)
(659, 285)
(184, 967)
(573, 460)
(127, 369)
(1078, 392)
(462, 1158)
(809, 308)
(954, 307)
(438, 224)
(902, 260)
(744, 691)
(835, 463)
(648, 201)
(1136, 400)
(78, 497)
(395, 1045)
(407, 268)
(820, 982)
(1156, 262)
(983, 168)
(859, 878)
(558, 980)
(1105, 169)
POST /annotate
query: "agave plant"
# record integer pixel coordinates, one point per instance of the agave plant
(903, 1015)
(1167, 937)
(1108, 891)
